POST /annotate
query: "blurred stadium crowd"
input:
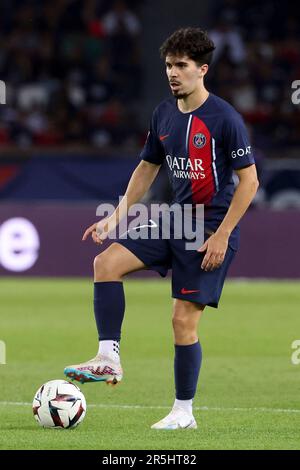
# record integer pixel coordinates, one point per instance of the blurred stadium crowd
(74, 69)
(256, 60)
(73, 72)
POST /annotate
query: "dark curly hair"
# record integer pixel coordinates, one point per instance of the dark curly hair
(192, 42)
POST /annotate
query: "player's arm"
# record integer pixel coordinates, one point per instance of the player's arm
(217, 244)
(140, 181)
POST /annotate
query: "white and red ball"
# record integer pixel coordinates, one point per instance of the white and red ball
(59, 404)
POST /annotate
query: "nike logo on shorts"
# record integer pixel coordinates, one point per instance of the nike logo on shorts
(163, 137)
(186, 291)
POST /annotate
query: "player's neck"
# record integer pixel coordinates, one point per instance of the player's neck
(193, 101)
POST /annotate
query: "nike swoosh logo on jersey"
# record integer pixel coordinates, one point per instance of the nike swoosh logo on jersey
(163, 137)
(186, 291)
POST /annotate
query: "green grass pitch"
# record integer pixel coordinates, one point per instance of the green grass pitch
(248, 396)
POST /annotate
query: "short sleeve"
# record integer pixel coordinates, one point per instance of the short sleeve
(153, 151)
(237, 143)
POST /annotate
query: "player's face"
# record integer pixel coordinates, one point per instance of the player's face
(184, 75)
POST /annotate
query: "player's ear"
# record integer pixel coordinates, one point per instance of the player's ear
(204, 69)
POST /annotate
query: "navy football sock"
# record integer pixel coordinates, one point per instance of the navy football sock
(109, 308)
(187, 365)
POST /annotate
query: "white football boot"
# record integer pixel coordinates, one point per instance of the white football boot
(177, 419)
(99, 369)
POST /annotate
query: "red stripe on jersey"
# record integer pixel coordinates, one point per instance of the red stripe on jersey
(203, 189)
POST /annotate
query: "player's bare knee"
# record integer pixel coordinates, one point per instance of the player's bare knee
(185, 320)
(104, 269)
(100, 268)
(184, 331)
(180, 322)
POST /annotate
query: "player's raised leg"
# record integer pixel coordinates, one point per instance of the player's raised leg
(109, 307)
(187, 363)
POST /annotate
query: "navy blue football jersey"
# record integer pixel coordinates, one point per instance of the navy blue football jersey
(200, 149)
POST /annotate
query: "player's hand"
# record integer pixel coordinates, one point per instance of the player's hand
(92, 230)
(215, 246)
(99, 231)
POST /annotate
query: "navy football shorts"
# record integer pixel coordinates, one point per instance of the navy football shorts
(189, 281)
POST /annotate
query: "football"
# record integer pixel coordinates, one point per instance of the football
(59, 404)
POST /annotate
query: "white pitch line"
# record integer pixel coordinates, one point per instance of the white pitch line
(197, 408)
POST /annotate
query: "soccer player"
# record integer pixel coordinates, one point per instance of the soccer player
(201, 139)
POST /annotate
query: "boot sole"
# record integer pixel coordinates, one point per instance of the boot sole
(86, 377)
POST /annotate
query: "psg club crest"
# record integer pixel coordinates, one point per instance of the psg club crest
(199, 140)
